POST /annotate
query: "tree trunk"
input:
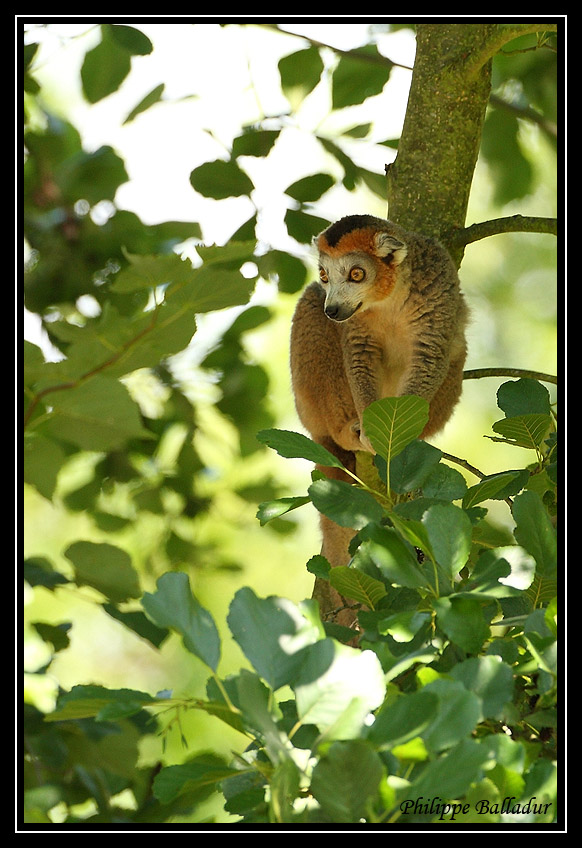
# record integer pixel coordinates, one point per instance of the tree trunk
(430, 181)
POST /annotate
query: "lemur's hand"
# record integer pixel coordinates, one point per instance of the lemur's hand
(365, 442)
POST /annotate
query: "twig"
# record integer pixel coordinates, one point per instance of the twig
(503, 34)
(526, 113)
(351, 54)
(510, 224)
(464, 464)
(477, 373)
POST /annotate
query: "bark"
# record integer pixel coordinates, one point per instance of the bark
(430, 180)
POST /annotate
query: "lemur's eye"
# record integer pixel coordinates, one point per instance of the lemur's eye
(357, 274)
(323, 276)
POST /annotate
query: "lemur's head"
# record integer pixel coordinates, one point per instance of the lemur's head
(358, 257)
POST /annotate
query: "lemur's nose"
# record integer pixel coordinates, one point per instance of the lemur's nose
(332, 311)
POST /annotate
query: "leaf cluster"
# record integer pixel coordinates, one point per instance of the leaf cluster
(451, 692)
(453, 689)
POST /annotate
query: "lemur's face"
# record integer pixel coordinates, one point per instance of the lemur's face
(349, 282)
(358, 269)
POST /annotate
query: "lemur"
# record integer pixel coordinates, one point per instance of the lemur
(386, 318)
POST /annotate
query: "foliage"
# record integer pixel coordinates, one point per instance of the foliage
(452, 692)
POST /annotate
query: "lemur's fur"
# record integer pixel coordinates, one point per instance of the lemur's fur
(387, 318)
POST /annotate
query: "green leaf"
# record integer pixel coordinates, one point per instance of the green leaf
(296, 445)
(392, 423)
(358, 131)
(449, 532)
(272, 634)
(131, 39)
(254, 142)
(319, 566)
(57, 635)
(449, 776)
(154, 96)
(300, 72)
(359, 587)
(39, 572)
(411, 467)
(535, 533)
(139, 623)
(233, 253)
(489, 487)
(92, 177)
(351, 171)
(512, 172)
(457, 714)
(526, 431)
(444, 483)
(463, 621)
(106, 568)
(425, 655)
(303, 227)
(502, 572)
(41, 462)
(337, 688)
(148, 272)
(254, 700)
(201, 774)
(393, 557)
(268, 510)
(309, 189)
(398, 722)
(92, 701)
(344, 503)
(284, 786)
(490, 679)
(220, 179)
(104, 67)
(97, 415)
(345, 779)
(290, 271)
(523, 397)
(174, 606)
(210, 288)
(403, 626)
(355, 79)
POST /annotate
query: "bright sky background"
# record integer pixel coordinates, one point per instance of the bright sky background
(232, 71)
(220, 79)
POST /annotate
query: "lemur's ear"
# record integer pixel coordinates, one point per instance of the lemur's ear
(386, 245)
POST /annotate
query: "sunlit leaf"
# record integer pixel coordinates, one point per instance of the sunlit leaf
(173, 605)
(220, 179)
(345, 504)
(278, 658)
(300, 72)
(392, 423)
(104, 567)
(290, 444)
(359, 587)
(359, 74)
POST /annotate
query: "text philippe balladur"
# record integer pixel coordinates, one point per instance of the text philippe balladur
(450, 809)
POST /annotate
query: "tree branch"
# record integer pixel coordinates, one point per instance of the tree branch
(477, 373)
(493, 44)
(525, 113)
(513, 224)
(354, 53)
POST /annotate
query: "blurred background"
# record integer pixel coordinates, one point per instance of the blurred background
(192, 504)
